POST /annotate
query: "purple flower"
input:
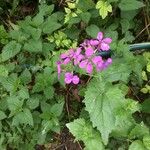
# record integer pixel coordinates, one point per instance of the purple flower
(58, 69)
(66, 57)
(69, 77)
(98, 61)
(101, 43)
(77, 56)
(85, 44)
(87, 65)
(89, 51)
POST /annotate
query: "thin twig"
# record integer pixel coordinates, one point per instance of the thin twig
(142, 31)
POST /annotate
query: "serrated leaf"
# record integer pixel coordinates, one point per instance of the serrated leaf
(146, 141)
(85, 5)
(23, 93)
(37, 20)
(137, 145)
(146, 106)
(24, 117)
(25, 76)
(2, 115)
(51, 25)
(14, 104)
(10, 83)
(10, 50)
(127, 5)
(102, 101)
(118, 71)
(57, 109)
(104, 8)
(139, 131)
(33, 46)
(83, 130)
(92, 30)
(46, 9)
(86, 17)
(33, 102)
(3, 71)
(125, 24)
(49, 92)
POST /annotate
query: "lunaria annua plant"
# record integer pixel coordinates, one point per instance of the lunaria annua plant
(84, 57)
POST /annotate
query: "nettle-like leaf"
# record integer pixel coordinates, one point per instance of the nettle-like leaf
(84, 131)
(33, 46)
(92, 30)
(104, 8)
(14, 104)
(50, 116)
(10, 50)
(51, 24)
(118, 71)
(3, 71)
(23, 117)
(146, 141)
(139, 131)
(103, 101)
(137, 145)
(127, 5)
(2, 115)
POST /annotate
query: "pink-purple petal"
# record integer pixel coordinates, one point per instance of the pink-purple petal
(83, 63)
(89, 51)
(75, 79)
(94, 42)
(89, 68)
(66, 61)
(100, 36)
(107, 40)
(96, 59)
(104, 46)
(63, 56)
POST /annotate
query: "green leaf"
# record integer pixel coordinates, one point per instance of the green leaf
(49, 92)
(14, 104)
(51, 25)
(25, 76)
(104, 8)
(85, 5)
(57, 109)
(10, 83)
(37, 20)
(10, 50)
(137, 145)
(24, 117)
(23, 93)
(146, 106)
(127, 5)
(33, 102)
(85, 17)
(33, 46)
(83, 130)
(92, 30)
(103, 100)
(46, 9)
(125, 24)
(146, 141)
(2, 115)
(118, 71)
(3, 71)
(139, 131)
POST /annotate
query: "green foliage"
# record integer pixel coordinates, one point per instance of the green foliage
(84, 131)
(127, 5)
(115, 107)
(104, 7)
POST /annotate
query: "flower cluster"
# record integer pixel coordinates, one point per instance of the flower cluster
(85, 58)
